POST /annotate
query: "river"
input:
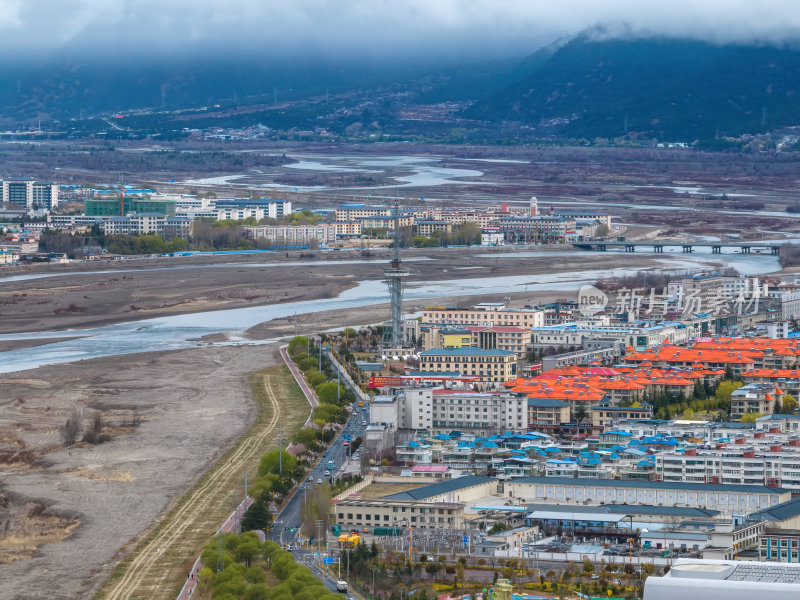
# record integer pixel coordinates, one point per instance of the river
(182, 331)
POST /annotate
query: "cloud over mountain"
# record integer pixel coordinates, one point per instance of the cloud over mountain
(447, 29)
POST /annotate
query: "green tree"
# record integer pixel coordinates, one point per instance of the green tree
(247, 550)
(789, 404)
(273, 462)
(298, 344)
(327, 392)
(257, 515)
(601, 231)
(317, 506)
(306, 436)
(257, 592)
(588, 566)
(725, 389)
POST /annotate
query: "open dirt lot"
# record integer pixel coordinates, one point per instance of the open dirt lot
(97, 499)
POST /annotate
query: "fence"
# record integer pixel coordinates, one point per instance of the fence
(232, 523)
(356, 488)
(579, 557)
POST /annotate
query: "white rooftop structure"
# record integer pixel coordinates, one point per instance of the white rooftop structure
(725, 580)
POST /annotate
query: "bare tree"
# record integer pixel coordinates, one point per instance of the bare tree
(72, 428)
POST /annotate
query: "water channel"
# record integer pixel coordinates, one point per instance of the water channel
(182, 331)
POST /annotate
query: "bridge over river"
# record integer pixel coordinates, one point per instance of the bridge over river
(763, 247)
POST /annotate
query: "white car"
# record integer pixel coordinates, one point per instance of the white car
(327, 473)
(319, 481)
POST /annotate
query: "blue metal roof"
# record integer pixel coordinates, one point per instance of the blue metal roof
(780, 512)
(436, 489)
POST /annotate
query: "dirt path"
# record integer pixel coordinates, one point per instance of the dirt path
(154, 569)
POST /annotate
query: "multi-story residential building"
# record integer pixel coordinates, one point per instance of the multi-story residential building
(497, 366)
(636, 336)
(459, 217)
(486, 314)
(386, 222)
(33, 195)
(478, 412)
(547, 413)
(757, 398)
(440, 409)
(354, 212)
(148, 223)
(537, 229)
(779, 545)
(324, 233)
(426, 227)
(236, 209)
(492, 236)
(729, 465)
(790, 305)
(267, 207)
(415, 409)
(787, 380)
(607, 415)
(713, 293)
(58, 221)
(8, 257)
(347, 229)
(599, 218)
(513, 339)
(109, 204)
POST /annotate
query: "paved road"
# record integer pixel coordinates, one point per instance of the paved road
(289, 517)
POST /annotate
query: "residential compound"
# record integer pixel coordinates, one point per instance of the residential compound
(346, 222)
(519, 224)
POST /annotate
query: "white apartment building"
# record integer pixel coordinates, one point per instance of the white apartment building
(56, 221)
(8, 257)
(487, 314)
(438, 409)
(708, 290)
(147, 223)
(35, 196)
(747, 467)
(230, 208)
(574, 334)
(354, 212)
(324, 233)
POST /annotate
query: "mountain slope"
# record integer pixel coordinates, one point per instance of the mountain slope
(664, 88)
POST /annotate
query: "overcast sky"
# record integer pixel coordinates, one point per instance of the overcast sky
(373, 27)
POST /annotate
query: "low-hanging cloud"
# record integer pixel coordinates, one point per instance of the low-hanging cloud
(380, 28)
